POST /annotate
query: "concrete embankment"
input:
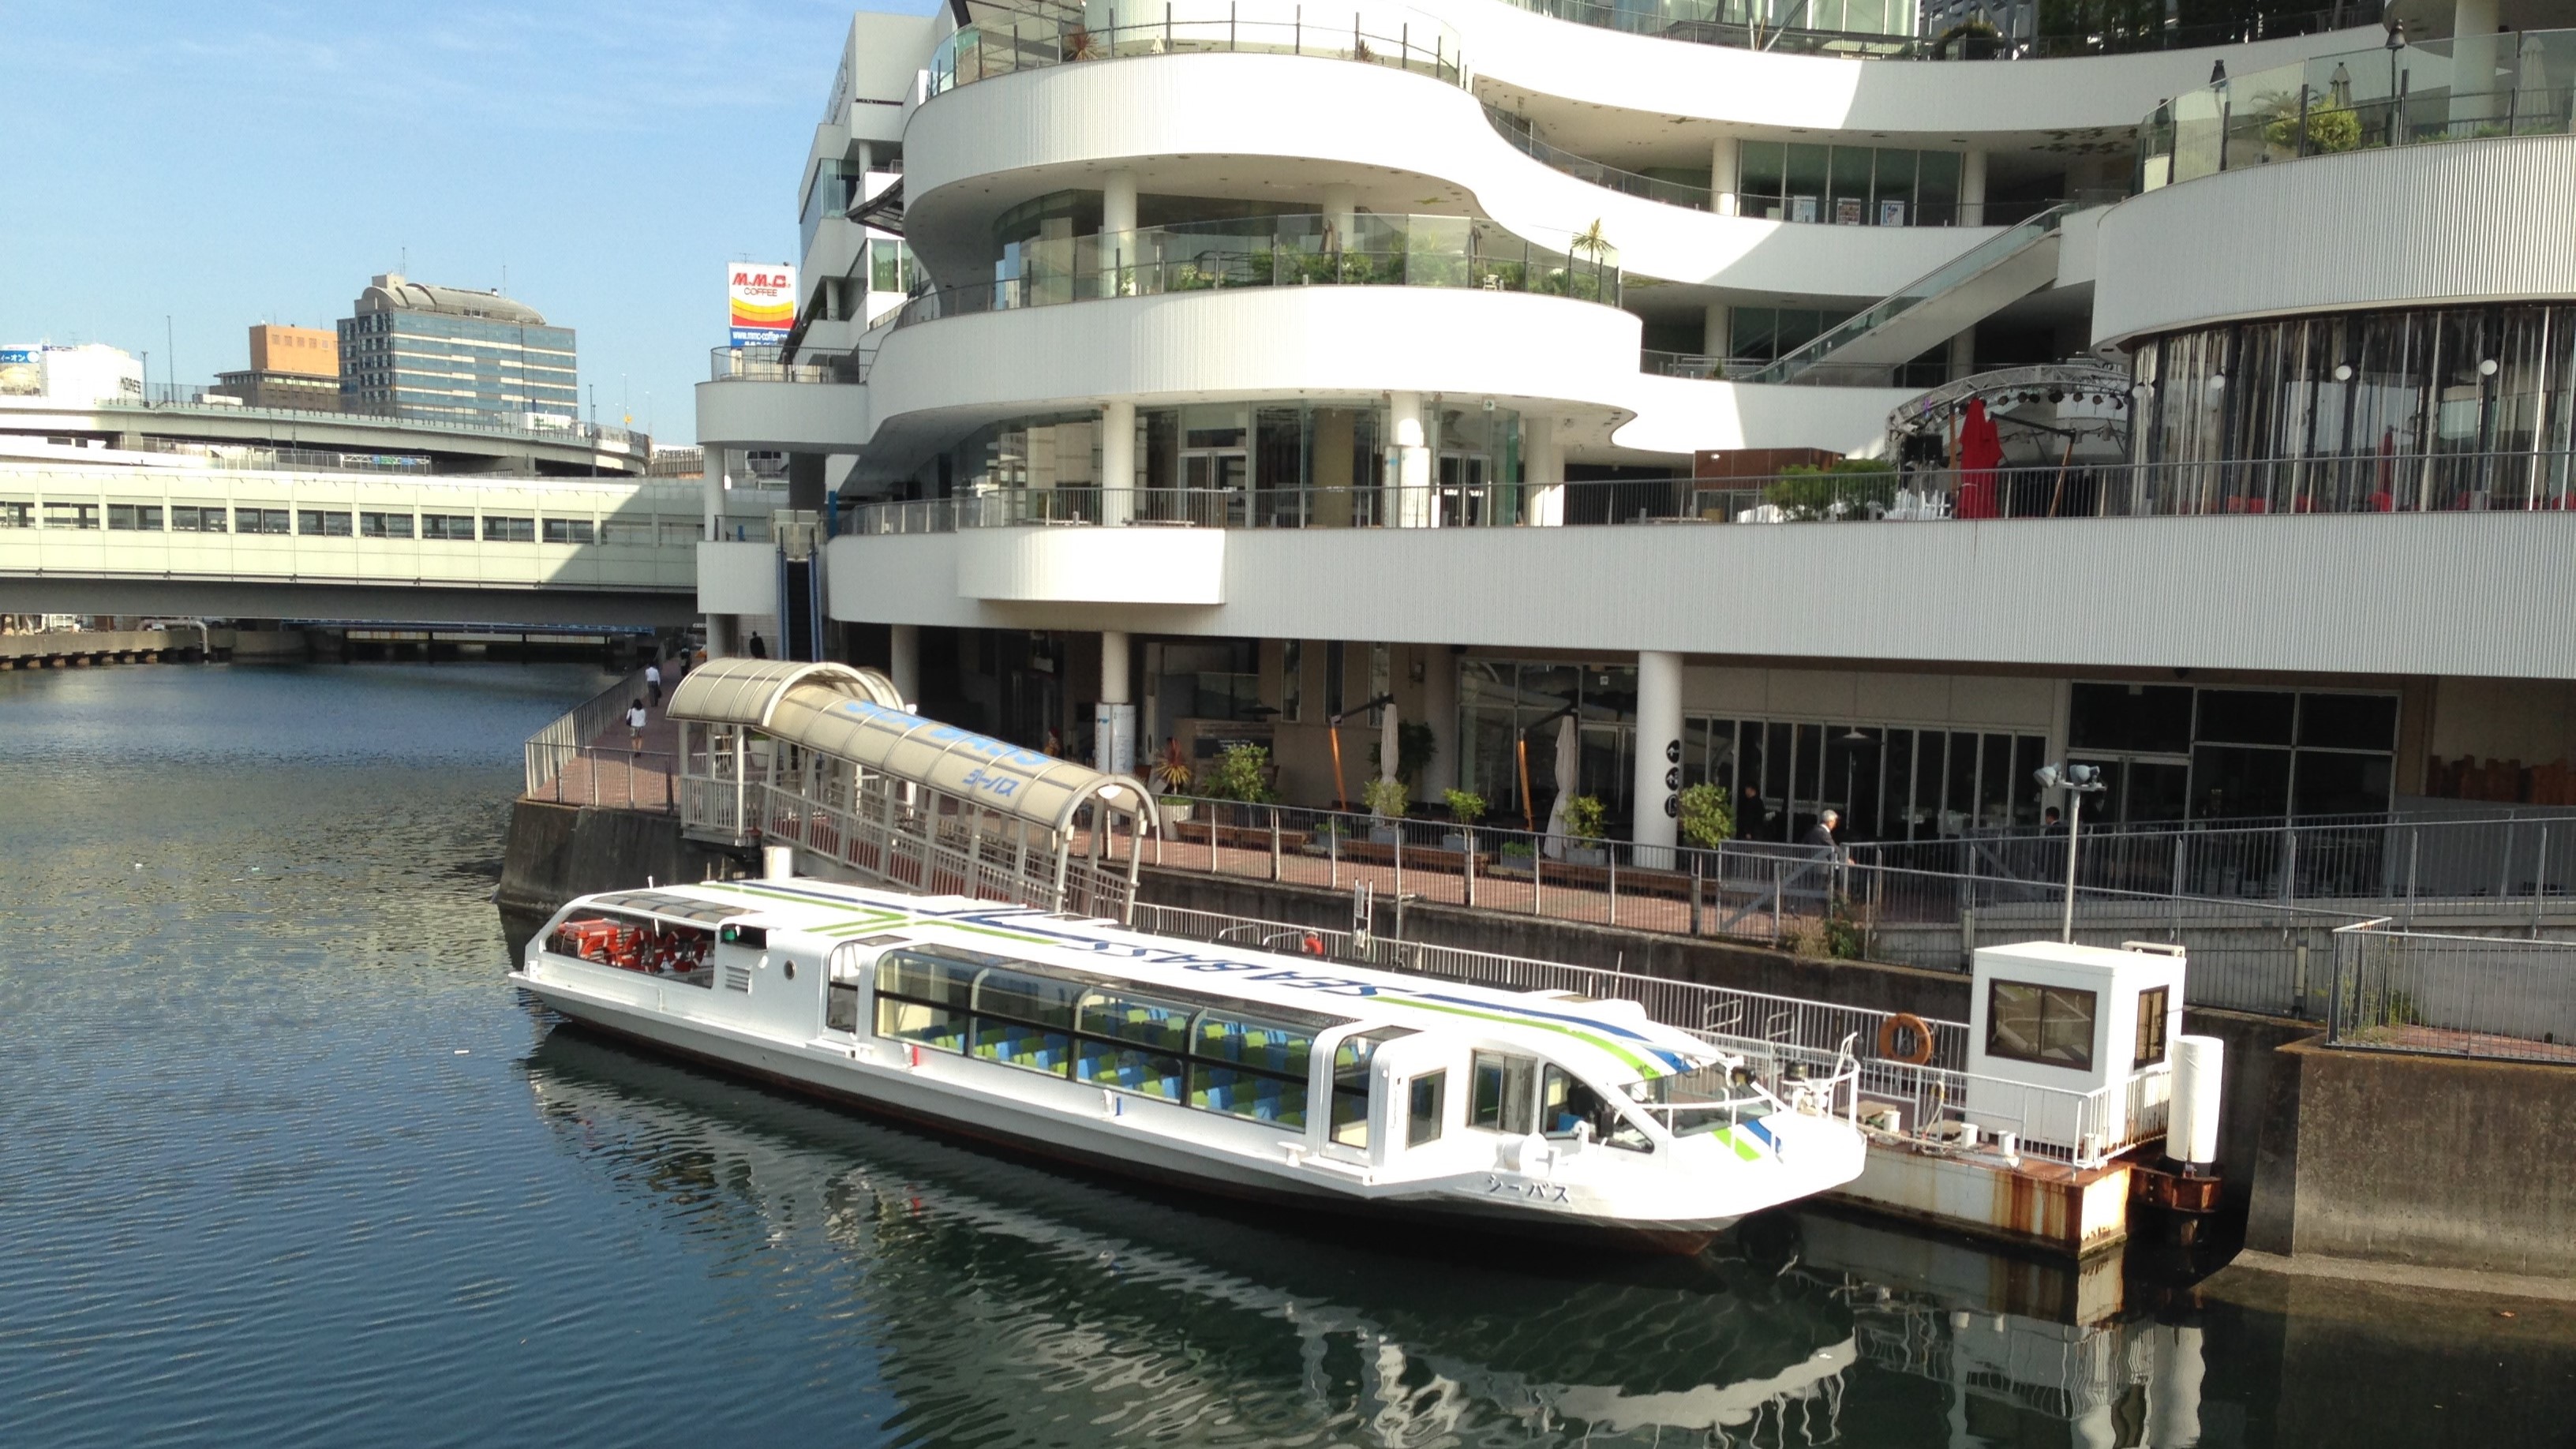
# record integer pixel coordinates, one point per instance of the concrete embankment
(2330, 1154)
(557, 852)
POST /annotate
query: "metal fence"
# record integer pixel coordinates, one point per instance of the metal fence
(2254, 956)
(2453, 995)
(1772, 1034)
(559, 743)
(2523, 864)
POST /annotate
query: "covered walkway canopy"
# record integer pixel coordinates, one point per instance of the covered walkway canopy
(909, 800)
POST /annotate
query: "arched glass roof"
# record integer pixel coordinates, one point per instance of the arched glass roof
(855, 715)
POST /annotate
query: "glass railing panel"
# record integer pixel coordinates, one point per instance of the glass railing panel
(1402, 39)
(2504, 84)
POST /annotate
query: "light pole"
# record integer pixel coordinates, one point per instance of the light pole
(2077, 781)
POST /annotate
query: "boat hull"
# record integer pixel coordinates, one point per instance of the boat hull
(1106, 1153)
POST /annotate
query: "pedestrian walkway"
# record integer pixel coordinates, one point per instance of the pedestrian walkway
(606, 770)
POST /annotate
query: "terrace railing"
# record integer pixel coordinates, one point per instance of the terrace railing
(2284, 488)
(559, 742)
(1403, 39)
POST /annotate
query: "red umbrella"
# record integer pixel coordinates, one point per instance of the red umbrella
(1980, 449)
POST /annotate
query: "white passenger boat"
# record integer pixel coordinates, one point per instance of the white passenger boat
(1241, 1072)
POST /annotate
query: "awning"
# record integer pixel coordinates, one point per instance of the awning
(747, 691)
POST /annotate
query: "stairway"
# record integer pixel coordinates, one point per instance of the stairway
(1868, 347)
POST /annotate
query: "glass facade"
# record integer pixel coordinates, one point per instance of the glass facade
(2172, 752)
(1849, 185)
(1287, 464)
(2396, 411)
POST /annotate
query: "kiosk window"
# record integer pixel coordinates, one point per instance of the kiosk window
(2051, 1025)
(2151, 1028)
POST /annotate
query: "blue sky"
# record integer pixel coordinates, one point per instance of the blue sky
(244, 162)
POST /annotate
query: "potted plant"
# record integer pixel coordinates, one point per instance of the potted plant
(1387, 800)
(1241, 772)
(1708, 821)
(1847, 487)
(1587, 826)
(1516, 857)
(1466, 807)
(1172, 775)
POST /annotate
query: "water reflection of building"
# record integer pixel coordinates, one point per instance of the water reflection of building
(985, 1278)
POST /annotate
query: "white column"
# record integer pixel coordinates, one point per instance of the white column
(1972, 189)
(2476, 50)
(1963, 355)
(713, 490)
(1543, 468)
(1342, 212)
(1715, 324)
(1440, 711)
(1723, 175)
(1408, 458)
(1117, 231)
(1113, 721)
(1117, 461)
(903, 662)
(1655, 789)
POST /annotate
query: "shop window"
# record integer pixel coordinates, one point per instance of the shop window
(1292, 681)
(2150, 719)
(2246, 717)
(2049, 1025)
(2348, 721)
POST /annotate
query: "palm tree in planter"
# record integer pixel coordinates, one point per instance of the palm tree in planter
(1587, 825)
(1466, 807)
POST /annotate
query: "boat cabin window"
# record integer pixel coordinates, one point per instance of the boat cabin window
(1706, 1099)
(663, 949)
(2050, 1025)
(1426, 1108)
(1568, 1108)
(753, 937)
(922, 999)
(1178, 1046)
(841, 993)
(1350, 1122)
(1505, 1091)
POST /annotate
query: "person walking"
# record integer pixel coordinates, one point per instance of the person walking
(635, 721)
(759, 650)
(1821, 836)
(653, 683)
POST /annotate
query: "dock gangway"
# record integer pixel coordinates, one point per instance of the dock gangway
(825, 758)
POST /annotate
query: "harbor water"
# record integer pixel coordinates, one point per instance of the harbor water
(285, 1161)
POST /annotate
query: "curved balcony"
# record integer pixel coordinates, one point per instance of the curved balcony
(1290, 251)
(1875, 30)
(1404, 40)
(2389, 96)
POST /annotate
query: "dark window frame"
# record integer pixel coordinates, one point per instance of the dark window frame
(2037, 1054)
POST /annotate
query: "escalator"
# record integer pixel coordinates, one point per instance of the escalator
(1866, 349)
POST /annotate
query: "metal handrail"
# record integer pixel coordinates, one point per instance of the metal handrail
(576, 727)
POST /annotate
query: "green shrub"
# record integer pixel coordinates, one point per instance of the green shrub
(1387, 798)
(1466, 806)
(1587, 819)
(2331, 128)
(1708, 821)
(1521, 848)
(1804, 491)
(1241, 772)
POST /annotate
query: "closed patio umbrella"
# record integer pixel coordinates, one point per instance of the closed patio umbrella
(1569, 760)
(1981, 447)
(1386, 738)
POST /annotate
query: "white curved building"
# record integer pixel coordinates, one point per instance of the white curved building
(1213, 371)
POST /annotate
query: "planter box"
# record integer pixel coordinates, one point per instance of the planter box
(1587, 855)
(1384, 835)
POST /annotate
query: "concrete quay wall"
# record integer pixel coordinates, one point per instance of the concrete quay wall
(557, 852)
(2437, 1162)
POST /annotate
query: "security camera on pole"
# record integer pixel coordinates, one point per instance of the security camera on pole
(2077, 781)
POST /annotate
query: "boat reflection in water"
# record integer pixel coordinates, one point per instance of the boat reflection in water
(1013, 1305)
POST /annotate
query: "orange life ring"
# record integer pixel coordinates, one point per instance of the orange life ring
(1905, 1021)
